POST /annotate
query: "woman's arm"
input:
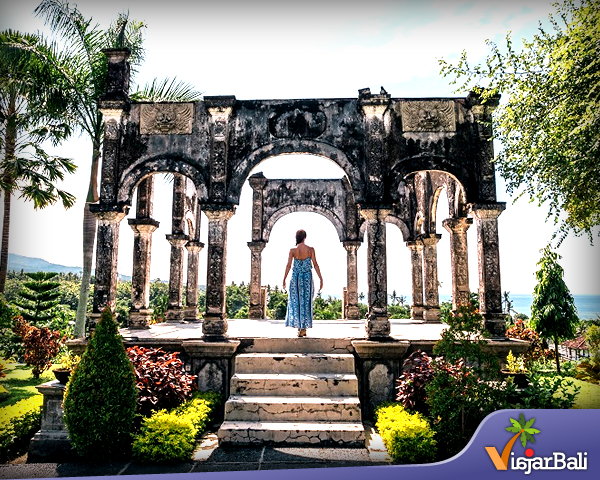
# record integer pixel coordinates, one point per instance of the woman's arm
(288, 266)
(313, 255)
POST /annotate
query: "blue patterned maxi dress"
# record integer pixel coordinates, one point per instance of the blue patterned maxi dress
(300, 298)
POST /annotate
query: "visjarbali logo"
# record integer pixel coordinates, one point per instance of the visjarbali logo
(523, 429)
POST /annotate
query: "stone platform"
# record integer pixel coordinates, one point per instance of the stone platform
(405, 329)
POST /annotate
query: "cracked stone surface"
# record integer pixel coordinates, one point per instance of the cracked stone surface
(294, 362)
(294, 384)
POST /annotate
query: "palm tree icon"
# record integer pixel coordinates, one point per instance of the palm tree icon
(521, 428)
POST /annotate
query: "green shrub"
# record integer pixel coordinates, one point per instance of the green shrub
(171, 436)
(101, 396)
(18, 423)
(407, 437)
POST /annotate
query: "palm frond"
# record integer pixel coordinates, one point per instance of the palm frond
(167, 90)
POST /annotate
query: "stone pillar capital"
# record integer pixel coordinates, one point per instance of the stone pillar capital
(258, 181)
(177, 239)
(110, 216)
(220, 106)
(257, 247)
(487, 211)
(352, 245)
(374, 214)
(143, 226)
(415, 245)
(371, 104)
(431, 240)
(457, 225)
(194, 246)
(219, 214)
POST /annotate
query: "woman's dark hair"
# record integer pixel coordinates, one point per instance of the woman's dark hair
(300, 236)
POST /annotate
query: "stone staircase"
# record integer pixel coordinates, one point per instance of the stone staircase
(296, 396)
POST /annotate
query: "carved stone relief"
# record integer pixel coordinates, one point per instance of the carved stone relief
(428, 116)
(166, 118)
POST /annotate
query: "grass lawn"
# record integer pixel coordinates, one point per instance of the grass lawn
(589, 395)
(20, 383)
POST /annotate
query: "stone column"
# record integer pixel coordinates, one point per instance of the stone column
(488, 259)
(215, 318)
(107, 253)
(191, 293)
(255, 310)
(416, 266)
(459, 259)
(377, 324)
(352, 312)
(175, 311)
(140, 312)
(430, 277)
(177, 239)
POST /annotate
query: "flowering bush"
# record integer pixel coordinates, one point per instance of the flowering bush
(407, 437)
(160, 378)
(41, 345)
(171, 436)
(417, 372)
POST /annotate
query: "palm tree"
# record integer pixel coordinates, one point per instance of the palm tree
(83, 71)
(30, 110)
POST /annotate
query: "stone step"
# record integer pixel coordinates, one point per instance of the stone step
(281, 384)
(294, 363)
(292, 409)
(297, 345)
(322, 433)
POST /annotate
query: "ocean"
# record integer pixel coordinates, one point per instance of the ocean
(588, 306)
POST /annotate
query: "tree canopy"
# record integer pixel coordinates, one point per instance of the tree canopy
(549, 122)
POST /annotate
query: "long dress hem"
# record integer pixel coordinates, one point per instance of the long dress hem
(299, 312)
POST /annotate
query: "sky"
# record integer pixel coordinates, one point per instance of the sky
(305, 49)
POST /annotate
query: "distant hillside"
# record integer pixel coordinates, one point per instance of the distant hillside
(30, 264)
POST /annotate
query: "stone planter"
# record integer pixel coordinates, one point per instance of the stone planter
(62, 375)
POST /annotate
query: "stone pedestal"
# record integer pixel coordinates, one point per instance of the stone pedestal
(215, 319)
(255, 310)
(51, 443)
(212, 362)
(416, 268)
(459, 259)
(140, 313)
(377, 324)
(378, 365)
(191, 294)
(175, 312)
(351, 311)
(488, 259)
(430, 274)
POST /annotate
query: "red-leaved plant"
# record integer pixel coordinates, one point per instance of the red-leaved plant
(417, 372)
(41, 345)
(160, 378)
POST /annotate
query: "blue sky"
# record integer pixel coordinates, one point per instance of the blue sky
(309, 49)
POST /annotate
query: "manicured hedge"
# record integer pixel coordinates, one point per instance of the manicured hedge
(18, 423)
(408, 437)
(171, 436)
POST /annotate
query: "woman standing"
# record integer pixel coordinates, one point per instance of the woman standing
(300, 298)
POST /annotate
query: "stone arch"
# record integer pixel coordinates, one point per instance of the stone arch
(137, 171)
(420, 163)
(291, 147)
(401, 224)
(328, 214)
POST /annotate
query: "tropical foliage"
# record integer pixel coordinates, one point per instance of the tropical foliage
(553, 312)
(549, 126)
(32, 111)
